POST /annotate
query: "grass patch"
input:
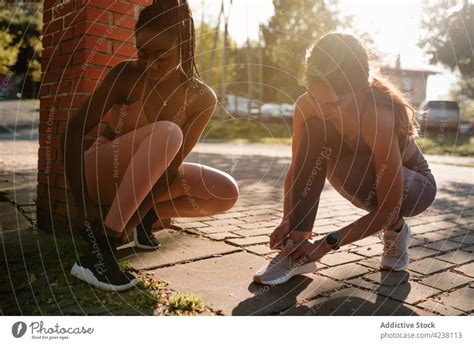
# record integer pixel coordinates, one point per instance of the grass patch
(188, 303)
(446, 144)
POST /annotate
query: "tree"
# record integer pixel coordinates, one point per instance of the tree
(449, 38)
(21, 26)
(295, 24)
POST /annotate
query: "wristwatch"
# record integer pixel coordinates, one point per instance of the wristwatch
(332, 239)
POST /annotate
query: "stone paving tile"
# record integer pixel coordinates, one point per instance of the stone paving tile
(220, 236)
(247, 241)
(417, 253)
(466, 269)
(409, 292)
(389, 278)
(457, 257)
(175, 247)
(339, 258)
(11, 218)
(443, 246)
(226, 284)
(260, 249)
(439, 308)
(429, 266)
(468, 239)
(368, 240)
(370, 250)
(345, 272)
(254, 232)
(353, 301)
(258, 225)
(462, 299)
(445, 280)
(217, 229)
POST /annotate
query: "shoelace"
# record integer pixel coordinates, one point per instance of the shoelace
(389, 247)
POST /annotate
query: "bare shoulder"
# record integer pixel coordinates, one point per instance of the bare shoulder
(201, 97)
(305, 107)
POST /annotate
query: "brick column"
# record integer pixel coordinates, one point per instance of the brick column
(81, 41)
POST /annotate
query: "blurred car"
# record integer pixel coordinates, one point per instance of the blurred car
(287, 109)
(240, 106)
(270, 110)
(439, 114)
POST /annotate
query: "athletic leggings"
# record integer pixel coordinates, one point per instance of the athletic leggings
(323, 153)
(126, 168)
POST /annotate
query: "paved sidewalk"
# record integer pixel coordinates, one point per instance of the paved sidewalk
(215, 257)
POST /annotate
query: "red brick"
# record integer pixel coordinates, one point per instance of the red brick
(63, 9)
(86, 85)
(62, 182)
(47, 179)
(53, 26)
(71, 100)
(46, 40)
(125, 50)
(62, 35)
(117, 6)
(50, 76)
(127, 21)
(60, 61)
(95, 15)
(44, 90)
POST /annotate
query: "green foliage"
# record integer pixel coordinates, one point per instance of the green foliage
(448, 37)
(295, 25)
(186, 302)
(253, 131)
(21, 26)
(209, 60)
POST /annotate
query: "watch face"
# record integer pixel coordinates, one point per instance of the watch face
(331, 239)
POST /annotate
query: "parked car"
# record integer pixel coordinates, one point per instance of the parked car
(439, 114)
(240, 106)
(270, 109)
(287, 109)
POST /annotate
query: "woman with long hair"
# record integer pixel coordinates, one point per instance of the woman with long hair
(159, 109)
(359, 132)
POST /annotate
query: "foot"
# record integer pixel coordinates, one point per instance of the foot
(281, 269)
(143, 236)
(395, 249)
(99, 268)
(145, 239)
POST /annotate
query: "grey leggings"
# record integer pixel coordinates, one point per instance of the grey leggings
(324, 154)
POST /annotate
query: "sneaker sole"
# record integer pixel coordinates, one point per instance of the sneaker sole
(308, 268)
(86, 275)
(142, 246)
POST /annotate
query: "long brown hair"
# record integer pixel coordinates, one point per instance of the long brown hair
(176, 17)
(342, 62)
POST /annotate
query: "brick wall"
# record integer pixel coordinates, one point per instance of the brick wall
(81, 41)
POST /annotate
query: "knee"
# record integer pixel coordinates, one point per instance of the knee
(225, 192)
(418, 202)
(169, 133)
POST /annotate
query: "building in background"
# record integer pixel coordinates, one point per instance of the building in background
(412, 82)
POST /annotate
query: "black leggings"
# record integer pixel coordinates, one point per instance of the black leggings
(323, 153)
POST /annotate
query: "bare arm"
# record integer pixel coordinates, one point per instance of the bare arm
(83, 120)
(192, 131)
(298, 124)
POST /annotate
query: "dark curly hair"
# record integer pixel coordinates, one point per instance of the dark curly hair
(173, 16)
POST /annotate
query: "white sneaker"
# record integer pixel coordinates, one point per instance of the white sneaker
(395, 249)
(281, 269)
